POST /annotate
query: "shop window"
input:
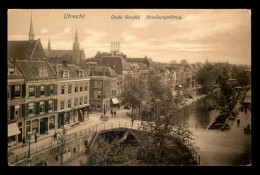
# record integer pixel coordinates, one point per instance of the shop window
(17, 92)
(31, 91)
(28, 126)
(42, 109)
(66, 119)
(31, 108)
(52, 122)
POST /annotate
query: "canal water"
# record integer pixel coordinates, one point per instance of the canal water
(195, 115)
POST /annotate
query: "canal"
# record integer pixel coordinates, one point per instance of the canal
(195, 115)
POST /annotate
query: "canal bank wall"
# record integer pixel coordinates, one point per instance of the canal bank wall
(75, 146)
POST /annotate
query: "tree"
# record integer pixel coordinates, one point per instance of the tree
(243, 79)
(62, 141)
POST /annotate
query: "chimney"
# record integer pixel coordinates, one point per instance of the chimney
(64, 63)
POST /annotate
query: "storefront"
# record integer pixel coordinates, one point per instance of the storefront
(13, 132)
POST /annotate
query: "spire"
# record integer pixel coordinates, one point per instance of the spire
(76, 42)
(31, 35)
(49, 44)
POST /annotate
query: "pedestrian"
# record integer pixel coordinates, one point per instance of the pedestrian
(114, 113)
(23, 142)
(55, 136)
(238, 122)
(111, 112)
(245, 110)
(35, 138)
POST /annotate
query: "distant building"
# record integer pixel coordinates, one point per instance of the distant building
(76, 55)
(72, 94)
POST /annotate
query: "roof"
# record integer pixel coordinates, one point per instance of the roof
(117, 63)
(63, 53)
(136, 60)
(73, 70)
(30, 69)
(99, 71)
(25, 50)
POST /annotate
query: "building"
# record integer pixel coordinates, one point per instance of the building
(40, 97)
(102, 95)
(76, 55)
(16, 105)
(72, 94)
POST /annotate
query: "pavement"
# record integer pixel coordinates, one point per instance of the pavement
(225, 148)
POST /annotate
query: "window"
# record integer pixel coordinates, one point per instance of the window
(81, 87)
(11, 71)
(17, 92)
(42, 107)
(43, 72)
(61, 105)
(52, 122)
(51, 105)
(62, 89)
(42, 90)
(86, 86)
(76, 87)
(76, 102)
(99, 84)
(98, 94)
(69, 103)
(31, 91)
(86, 100)
(17, 111)
(81, 101)
(81, 73)
(66, 74)
(51, 90)
(69, 88)
(66, 118)
(31, 108)
(8, 92)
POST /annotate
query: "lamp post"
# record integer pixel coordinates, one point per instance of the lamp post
(29, 149)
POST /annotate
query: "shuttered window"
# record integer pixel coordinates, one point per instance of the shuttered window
(31, 91)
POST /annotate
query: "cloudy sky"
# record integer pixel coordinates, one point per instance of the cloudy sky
(213, 34)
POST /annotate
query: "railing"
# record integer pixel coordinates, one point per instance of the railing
(86, 132)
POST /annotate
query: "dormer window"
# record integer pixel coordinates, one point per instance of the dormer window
(43, 72)
(66, 74)
(81, 73)
(11, 71)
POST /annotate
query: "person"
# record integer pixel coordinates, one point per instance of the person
(114, 113)
(23, 142)
(238, 122)
(35, 138)
(111, 112)
(55, 136)
(245, 110)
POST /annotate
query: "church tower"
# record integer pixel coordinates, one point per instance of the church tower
(49, 45)
(76, 42)
(31, 35)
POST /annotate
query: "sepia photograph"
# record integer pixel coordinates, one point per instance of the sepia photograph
(129, 87)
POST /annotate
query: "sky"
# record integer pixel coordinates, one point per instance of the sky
(195, 34)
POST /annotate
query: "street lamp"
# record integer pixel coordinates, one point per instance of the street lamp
(29, 149)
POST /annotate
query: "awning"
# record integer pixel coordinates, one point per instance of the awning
(115, 100)
(13, 129)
